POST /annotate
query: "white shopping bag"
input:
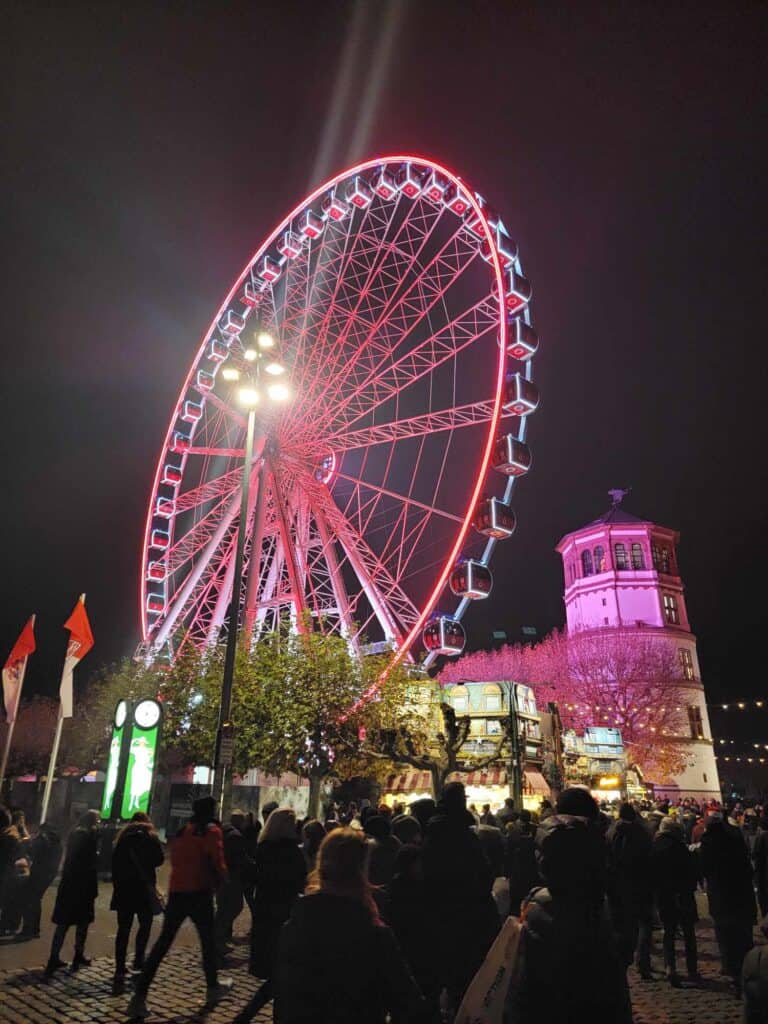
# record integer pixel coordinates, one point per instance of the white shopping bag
(483, 1002)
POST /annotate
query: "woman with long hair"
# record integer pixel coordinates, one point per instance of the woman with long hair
(278, 874)
(77, 892)
(337, 923)
(135, 856)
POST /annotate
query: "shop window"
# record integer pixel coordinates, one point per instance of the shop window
(477, 727)
(492, 727)
(695, 723)
(671, 613)
(686, 663)
(638, 561)
(586, 562)
(620, 553)
(599, 558)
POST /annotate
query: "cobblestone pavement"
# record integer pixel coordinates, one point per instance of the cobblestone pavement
(26, 997)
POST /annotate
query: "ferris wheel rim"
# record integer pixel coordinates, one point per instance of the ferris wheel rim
(480, 471)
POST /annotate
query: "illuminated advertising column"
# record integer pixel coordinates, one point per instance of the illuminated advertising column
(133, 755)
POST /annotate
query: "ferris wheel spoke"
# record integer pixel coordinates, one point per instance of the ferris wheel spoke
(221, 485)
(288, 549)
(469, 415)
(363, 559)
(423, 359)
(399, 316)
(371, 285)
(404, 499)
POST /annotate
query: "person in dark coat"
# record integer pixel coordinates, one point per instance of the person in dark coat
(336, 927)
(312, 835)
(727, 869)
(760, 861)
(520, 864)
(230, 897)
(462, 918)
(629, 888)
(754, 978)
(674, 876)
(279, 873)
(45, 851)
(10, 852)
(136, 855)
(77, 892)
(407, 916)
(423, 810)
(384, 849)
(567, 931)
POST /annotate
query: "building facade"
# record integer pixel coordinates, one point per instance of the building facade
(621, 574)
(486, 703)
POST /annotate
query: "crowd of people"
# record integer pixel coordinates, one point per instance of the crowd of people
(407, 901)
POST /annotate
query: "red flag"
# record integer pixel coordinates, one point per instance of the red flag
(13, 670)
(80, 642)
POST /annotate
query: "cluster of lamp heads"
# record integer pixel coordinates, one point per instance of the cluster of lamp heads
(249, 394)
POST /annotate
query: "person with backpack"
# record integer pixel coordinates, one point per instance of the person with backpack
(197, 869)
(571, 969)
(674, 877)
(136, 854)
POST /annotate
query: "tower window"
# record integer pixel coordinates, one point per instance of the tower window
(694, 721)
(620, 552)
(686, 662)
(586, 562)
(671, 614)
(599, 558)
(656, 557)
(665, 560)
(638, 562)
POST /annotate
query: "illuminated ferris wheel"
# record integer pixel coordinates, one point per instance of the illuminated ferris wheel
(396, 299)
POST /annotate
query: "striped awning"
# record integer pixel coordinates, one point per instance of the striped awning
(535, 784)
(485, 777)
(410, 782)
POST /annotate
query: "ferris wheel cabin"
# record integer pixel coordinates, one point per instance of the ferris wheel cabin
(522, 340)
(444, 635)
(494, 518)
(471, 579)
(510, 456)
(522, 396)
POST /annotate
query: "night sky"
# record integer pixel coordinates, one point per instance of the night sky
(149, 149)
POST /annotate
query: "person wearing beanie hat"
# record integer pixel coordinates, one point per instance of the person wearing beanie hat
(675, 876)
(579, 801)
(197, 869)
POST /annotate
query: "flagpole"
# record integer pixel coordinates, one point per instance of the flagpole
(12, 724)
(52, 767)
(54, 749)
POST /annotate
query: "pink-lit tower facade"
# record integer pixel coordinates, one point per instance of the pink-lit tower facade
(621, 573)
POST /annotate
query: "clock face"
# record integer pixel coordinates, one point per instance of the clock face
(120, 712)
(147, 714)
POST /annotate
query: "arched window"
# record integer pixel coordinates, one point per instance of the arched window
(460, 699)
(491, 697)
(599, 558)
(620, 552)
(638, 562)
(586, 562)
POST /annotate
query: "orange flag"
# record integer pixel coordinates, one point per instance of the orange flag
(80, 642)
(14, 668)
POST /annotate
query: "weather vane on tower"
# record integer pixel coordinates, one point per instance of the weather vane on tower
(618, 495)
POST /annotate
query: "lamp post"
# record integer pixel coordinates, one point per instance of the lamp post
(249, 396)
(515, 765)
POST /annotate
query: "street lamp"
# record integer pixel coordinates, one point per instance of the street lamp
(250, 395)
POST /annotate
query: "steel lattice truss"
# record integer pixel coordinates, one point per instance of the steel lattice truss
(394, 293)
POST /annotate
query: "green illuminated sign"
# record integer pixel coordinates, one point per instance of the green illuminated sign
(132, 759)
(141, 771)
